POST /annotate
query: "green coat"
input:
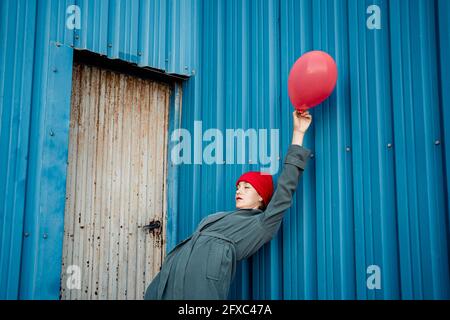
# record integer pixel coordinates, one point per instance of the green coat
(203, 265)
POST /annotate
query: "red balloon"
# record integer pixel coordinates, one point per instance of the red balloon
(312, 79)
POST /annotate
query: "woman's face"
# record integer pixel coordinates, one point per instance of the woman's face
(247, 197)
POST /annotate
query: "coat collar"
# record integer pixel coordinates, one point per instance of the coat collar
(212, 218)
(219, 215)
(254, 211)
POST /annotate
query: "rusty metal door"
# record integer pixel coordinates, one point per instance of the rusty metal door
(115, 185)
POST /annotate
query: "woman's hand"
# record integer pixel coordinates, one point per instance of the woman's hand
(301, 120)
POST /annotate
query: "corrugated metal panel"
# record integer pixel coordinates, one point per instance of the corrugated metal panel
(376, 191)
(417, 110)
(16, 33)
(115, 184)
(158, 33)
(443, 9)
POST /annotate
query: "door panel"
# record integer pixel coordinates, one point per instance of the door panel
(115, 184)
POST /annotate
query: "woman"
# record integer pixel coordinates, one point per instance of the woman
(203, 265)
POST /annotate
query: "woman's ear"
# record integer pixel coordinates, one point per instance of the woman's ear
(261, 203)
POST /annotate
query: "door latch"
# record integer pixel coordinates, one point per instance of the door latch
(152, 225)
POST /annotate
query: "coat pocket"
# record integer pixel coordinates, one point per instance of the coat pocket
(214, 262)
(240, 237)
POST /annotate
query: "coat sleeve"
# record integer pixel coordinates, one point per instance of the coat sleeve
(294, 164)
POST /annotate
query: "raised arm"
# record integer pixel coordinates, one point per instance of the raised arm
(294, 164)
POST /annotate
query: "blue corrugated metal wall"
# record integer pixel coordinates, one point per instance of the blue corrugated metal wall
(375, 192)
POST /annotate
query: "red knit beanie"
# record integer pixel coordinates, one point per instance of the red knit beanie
(262, 183)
